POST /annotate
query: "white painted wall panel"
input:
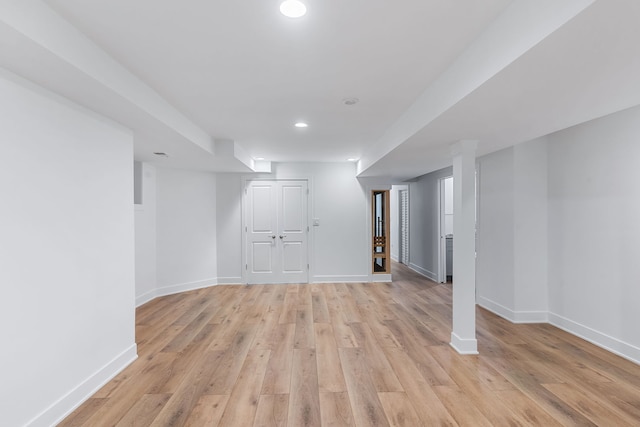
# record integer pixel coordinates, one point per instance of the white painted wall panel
(495, 279)
(594, 230)
(530, 253)
(229, 227)
(145, 229)
(67, 253)
(186, 230)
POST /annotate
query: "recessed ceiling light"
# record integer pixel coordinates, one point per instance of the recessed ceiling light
(352, 159)
(293, 8)
(301, 125)
(259, 158)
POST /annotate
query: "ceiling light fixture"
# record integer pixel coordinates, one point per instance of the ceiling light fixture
(301, 125)
(293, 8)
(352, 159)
(259, 158)
(350, 101)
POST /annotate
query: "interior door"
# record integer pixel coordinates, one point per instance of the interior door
(277, 232)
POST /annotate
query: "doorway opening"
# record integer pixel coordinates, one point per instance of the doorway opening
(380, 231)
(445, 270)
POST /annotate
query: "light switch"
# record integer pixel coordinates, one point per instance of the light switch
(316, 222)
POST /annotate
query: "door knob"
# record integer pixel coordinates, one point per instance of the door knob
(282, 237)
(273, 237)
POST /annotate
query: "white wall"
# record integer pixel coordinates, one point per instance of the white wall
(424, 212)
(66, 248)
(594, 230)
(559, 231)
(186, 230)
(530, 225)
(511, 263)
(338, 246)
(145, 230)
(229, 226)
(495, 278)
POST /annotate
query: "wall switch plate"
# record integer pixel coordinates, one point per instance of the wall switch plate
(316, 222)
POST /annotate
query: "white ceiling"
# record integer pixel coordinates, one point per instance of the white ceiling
(233, 76)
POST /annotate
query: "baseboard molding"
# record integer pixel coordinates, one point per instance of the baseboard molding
(513, 316)
(380, 278)
(174, 289)
(464, 346)
(604, 341)
(146, 297)
(339, 279)
(73, 399)
(230, 281)
(426, 273)
(184, 287)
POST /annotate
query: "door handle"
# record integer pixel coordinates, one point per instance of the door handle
(282, 237)
(273, 237)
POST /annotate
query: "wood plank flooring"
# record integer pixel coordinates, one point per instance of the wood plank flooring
(354, 354)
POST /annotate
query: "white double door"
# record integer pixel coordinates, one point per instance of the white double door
(276, 232)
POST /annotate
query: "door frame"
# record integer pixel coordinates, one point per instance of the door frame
(246, 181)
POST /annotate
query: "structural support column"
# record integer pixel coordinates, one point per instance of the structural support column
(463, 336)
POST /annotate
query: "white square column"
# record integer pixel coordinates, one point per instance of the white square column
(463, 336)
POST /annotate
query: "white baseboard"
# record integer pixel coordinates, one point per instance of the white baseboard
(230, 281)
(464, 346)
(174, 289)
(73, 399)
(146, 297)
(339, 279)
(379, 278)
(607, 342)
(513, 316)
(423, 271)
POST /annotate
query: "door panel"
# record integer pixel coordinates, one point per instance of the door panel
(293, 260)
(277, 234)
(261, 231)
(293, 199)
(263, 220)
(261, 257)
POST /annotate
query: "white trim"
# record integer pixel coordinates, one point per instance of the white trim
(184, 287)
(230, 281)
(340, 279)
(76, 397)
(146, 297)
(513, 316)
(380, 278)
(464, 346)
(424, 272)
(604, 341)
(174, 289)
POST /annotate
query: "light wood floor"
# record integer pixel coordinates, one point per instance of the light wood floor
(354, 355)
